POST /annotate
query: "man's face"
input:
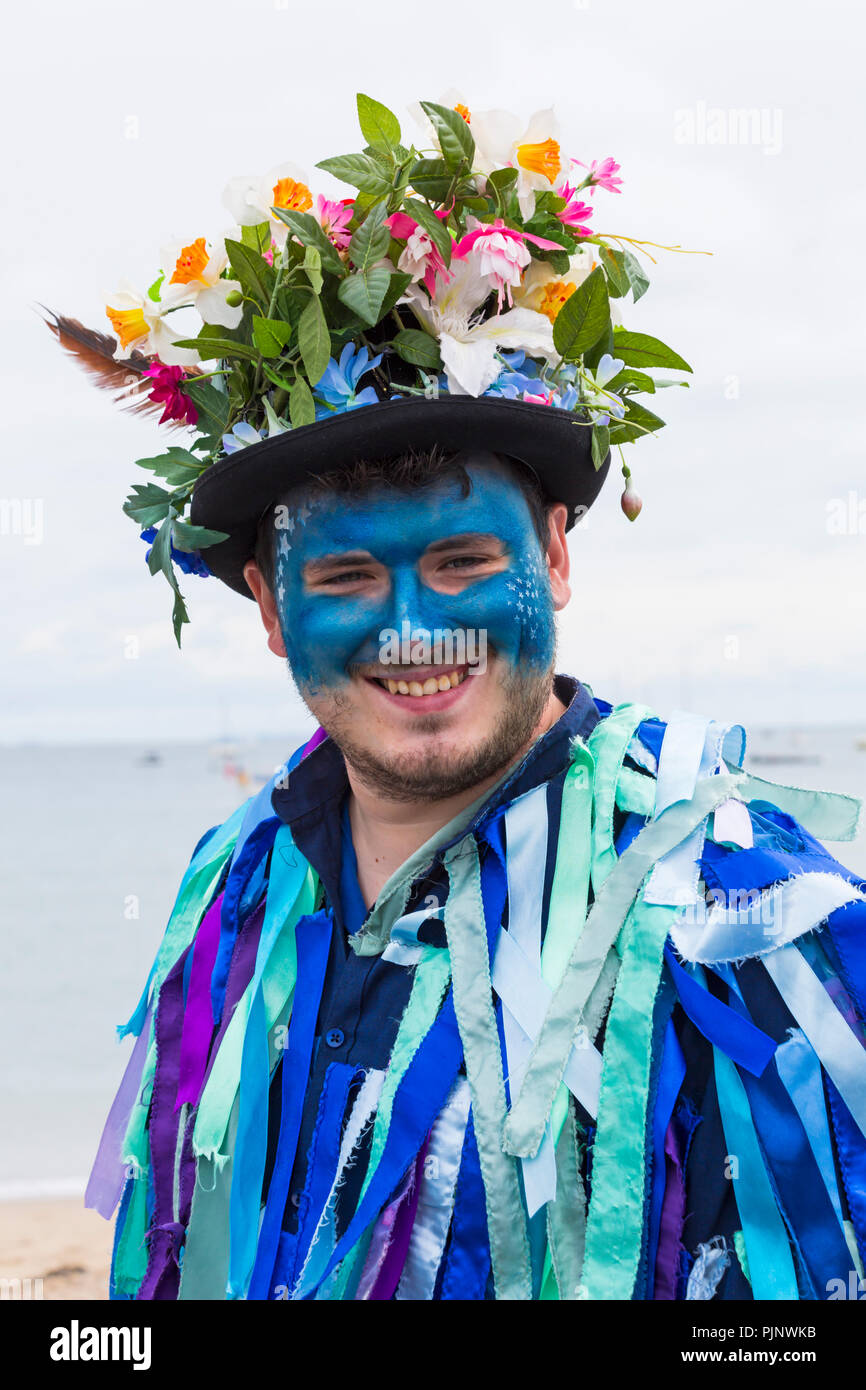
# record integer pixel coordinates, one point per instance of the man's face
(360, 583)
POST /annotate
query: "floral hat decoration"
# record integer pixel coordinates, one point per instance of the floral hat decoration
(461, 296)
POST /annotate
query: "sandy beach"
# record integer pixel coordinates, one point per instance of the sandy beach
(57, 1241)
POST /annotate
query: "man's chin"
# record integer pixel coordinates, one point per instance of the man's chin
(415, 755)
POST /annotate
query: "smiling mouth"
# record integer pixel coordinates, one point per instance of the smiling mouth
(418, 687)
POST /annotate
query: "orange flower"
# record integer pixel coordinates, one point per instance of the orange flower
(542, 158)
(464, 112)
(292, 194)
(128, 324)
(190, 263)
(553, 296)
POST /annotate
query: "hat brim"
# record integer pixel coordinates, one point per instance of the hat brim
(234, 493)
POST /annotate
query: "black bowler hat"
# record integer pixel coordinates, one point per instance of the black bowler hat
(234, 493)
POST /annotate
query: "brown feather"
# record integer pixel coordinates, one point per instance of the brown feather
(94, 352)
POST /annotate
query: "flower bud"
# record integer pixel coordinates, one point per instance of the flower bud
(234, 298)
(630, 502)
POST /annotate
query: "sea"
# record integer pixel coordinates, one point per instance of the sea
(95, 841)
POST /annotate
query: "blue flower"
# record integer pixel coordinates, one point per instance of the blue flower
(336, 387)
(188, 561)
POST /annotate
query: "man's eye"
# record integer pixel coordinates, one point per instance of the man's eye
(466, 561)
(345, 577)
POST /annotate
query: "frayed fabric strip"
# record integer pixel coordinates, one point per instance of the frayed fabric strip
(770, 920)
(526, 1122)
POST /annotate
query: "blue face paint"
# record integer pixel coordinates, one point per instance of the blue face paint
(326, 632)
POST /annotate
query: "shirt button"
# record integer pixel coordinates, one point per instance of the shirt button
(335, 1037)
(295, 1199)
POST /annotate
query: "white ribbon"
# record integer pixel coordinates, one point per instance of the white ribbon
(436, 1191)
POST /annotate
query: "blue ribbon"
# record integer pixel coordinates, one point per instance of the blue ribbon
(851, 1148)
(728, 1030)
(467, 1260)
(313, 937)
(671, 1076)
(246, 873)
(322, 1165)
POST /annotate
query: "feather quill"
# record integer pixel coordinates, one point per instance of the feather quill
(94, 352)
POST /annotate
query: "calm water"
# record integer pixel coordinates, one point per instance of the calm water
(95, 841)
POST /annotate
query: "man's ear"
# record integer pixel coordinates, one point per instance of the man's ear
(557, 556)
(267, 606)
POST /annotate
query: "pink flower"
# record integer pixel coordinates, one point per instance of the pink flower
(501, 253)
(574, 211)
(602, 174)
(420, 258)
(538, 400)
(167, 392)
(334, 219)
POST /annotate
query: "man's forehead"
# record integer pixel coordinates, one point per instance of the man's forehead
(424, 516)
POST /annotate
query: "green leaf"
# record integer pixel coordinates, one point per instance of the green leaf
(176, 466)
(503, 179)
(600, 444)
(271, 335)
(613, 264)
(257, 238)
(379, 126)
(432, 225)
(252, 270)
(398, 283)
(638, 279)
(208, 347)
(187, 537)
(454, 135)
(368, 172)
(417, 347)
(431, 179)
(364, 294)
(313, 339)
(147, 504)
(371, 240)
(302, 408)
(211, 403)
(309, 231)
(629, 377)
(153, 290)
(637, 422)
(313, 267)
(583, 317)
(640, 350)
(547, 201)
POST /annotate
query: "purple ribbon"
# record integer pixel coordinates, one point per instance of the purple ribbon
(399, 1230)
(198, 1017)
(318, 737)
(108, 1174)
(672, 1219)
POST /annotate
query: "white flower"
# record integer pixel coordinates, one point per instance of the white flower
(140, 323)
(469, 351)
(501, 140)
(250, 197)
(192, 276)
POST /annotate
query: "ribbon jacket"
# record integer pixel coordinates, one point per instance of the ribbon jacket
(601, 1037)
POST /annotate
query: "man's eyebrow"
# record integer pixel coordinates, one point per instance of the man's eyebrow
(337, 560)
(465, 538)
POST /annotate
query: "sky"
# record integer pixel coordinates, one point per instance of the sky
(740, 591)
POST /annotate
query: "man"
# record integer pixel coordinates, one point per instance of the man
(496, 991)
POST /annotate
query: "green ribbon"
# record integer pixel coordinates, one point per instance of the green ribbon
(616, 1211)
(476, 1020)
(525, 1125)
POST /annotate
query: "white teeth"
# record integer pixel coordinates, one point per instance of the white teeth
(431, 686)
